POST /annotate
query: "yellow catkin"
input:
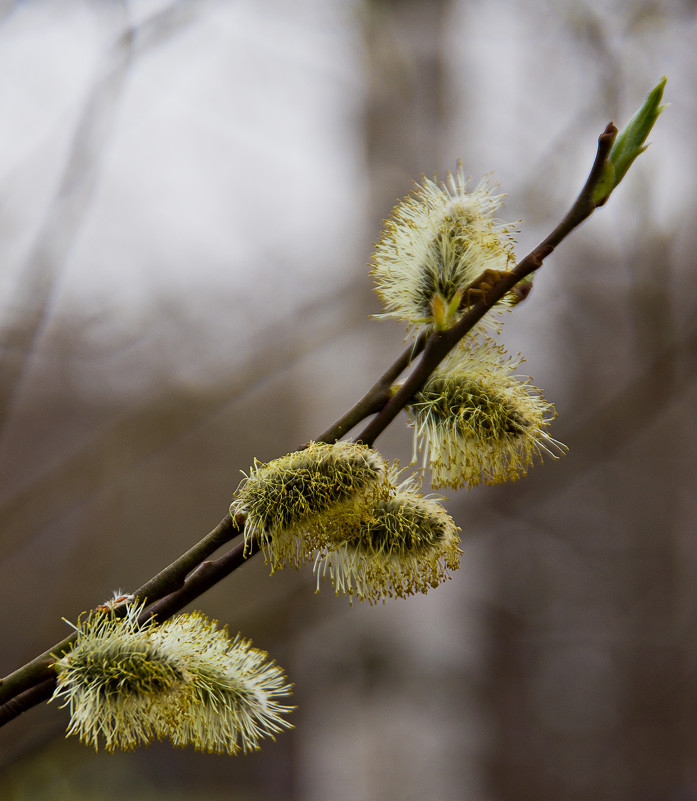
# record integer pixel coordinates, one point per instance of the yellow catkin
(408, 544)
(437, 241)
(308, 498)
(477, 421)
(186, 680)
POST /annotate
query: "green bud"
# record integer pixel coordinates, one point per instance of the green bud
(628, 144)
(444, 311)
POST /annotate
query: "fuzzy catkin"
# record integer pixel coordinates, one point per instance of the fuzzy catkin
(408, 544)
(128, 684)
(436, 242)
(475, 420)
(302, 501)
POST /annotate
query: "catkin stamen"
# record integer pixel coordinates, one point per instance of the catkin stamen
(407, 544)
(476, 421)
(127, 685)
(309, 498)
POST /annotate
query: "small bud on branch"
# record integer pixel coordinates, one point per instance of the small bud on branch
(628, 144)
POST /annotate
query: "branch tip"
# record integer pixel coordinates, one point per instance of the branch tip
(610, 132)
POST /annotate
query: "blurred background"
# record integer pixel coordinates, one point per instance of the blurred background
(188, 196)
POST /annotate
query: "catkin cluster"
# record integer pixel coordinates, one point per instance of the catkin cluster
(475, 420)
(128, 684)
(373, 536)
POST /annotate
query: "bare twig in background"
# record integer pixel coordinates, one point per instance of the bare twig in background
(62, 223)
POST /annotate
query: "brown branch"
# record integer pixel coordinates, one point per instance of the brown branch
(206, 575)
(377, 396)
(173, 577)
(191, 575)
(26, 700)
(441, 343)
(164, 583)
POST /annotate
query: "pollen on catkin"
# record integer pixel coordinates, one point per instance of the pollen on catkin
(232, 689)
(127, 685)
(477, 421)
(437, 241)
(408, 544)
(308, 498)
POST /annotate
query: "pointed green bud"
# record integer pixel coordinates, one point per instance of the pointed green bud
(628, 144)
(453, 306)
(440, 311)
(444, 311)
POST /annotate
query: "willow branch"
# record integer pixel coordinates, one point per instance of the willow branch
(164, 583)
(377, 396)
(378, 400)
(174, 576)
(192, 574)
(206, 575)
(441, 343)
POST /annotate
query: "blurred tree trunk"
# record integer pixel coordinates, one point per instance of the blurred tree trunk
(589, 679)
(405, 716)
(405, 112)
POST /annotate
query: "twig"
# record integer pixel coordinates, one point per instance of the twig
(26, 700)
(191, 575)
(206, 575)
(442, 342)
(377, 396)
(164, 583)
